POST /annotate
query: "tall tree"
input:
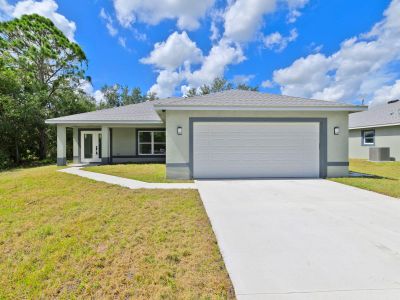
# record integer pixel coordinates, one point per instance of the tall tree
(45, 60)
(17, 111)
(117, 95)
(112, 96)
(41, 73)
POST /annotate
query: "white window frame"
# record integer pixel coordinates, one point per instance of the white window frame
(364, 143)
(152, 143)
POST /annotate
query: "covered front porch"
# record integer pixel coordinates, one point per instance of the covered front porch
(111, 144)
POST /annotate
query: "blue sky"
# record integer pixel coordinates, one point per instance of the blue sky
(334, 50)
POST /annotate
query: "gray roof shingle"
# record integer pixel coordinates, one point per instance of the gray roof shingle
(145, 112)
(142, 112)
(381, 115)
(241, 98)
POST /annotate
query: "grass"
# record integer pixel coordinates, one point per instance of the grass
(142, 172)
(63, 236)
(387, 180)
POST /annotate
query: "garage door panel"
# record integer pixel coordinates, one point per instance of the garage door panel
(238, 150)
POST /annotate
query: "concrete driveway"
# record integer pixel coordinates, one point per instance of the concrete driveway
(305, 239)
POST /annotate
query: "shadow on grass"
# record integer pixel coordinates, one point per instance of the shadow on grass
(365, 175)
(29, 164)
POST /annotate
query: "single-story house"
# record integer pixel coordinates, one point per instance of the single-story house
(377, 127)
(231, 134)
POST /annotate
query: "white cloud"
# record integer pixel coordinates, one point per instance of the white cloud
(294, 6)
(242, 79)
(153, 12)
(166, 84)
(217, 17)
(317, 48)
(293, 15)
(5, 10)
(99, 96)
(305, 76)
(214, 65)
(114, 32)
(177, 50)
(267, 84)
(277, 42)
(175, 57)
(87, 87)
(140, 36)
(387, 93)
(45, 8)
(244, 17)
(109, 22)
(122, 42)
(355, 71)
(214, 32)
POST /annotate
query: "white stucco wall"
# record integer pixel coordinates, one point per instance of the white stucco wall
(384, 137)
(178, 145)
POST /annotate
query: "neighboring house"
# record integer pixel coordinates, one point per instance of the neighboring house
(377, 127)
(232, 134)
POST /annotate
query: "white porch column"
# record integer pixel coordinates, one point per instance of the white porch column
(61, 145)
(105, 144)
(75, 145)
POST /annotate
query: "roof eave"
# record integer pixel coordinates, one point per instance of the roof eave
(97, 122)
(374, 126)
(262, 108)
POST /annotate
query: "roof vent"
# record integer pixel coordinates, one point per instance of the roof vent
(393, 101)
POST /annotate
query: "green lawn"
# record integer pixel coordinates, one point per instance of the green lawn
(63, 236)
(387, 181)
(142, 172)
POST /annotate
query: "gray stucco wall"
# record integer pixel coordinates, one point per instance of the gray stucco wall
(178, 145)
(384, 137)
(123, 144)
(123, 141)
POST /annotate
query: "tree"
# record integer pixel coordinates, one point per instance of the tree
(112, 96)
(218, 85)
(45, 59)
(118, 95)
(17, 110)
(151, 96)
(245, 87)
(191, 92)
(136, 96)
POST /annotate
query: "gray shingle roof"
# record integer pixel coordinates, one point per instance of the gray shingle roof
(242, 98)
(146, 113)
(385, 114)
(141, 113)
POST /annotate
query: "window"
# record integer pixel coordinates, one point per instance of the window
(368, 137)
(88, 145)
(151, 142)
(100, 148)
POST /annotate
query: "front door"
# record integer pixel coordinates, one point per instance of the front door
(90, 146)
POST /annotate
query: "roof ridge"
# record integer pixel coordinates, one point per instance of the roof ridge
(254, 92)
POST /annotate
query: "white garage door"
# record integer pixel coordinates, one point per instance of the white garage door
(244, 150)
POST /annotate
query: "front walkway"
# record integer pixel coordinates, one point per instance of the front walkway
(125, 182)
(305, 239)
